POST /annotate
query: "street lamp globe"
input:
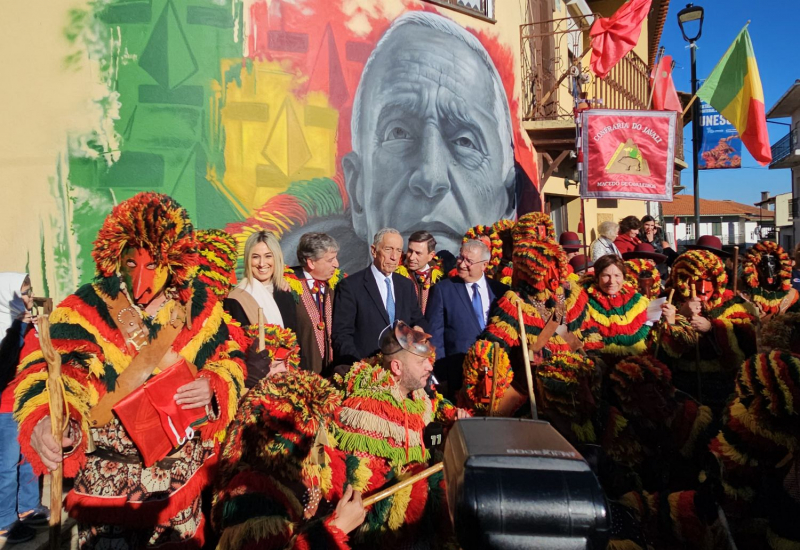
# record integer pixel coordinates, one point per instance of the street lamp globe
(691, 17)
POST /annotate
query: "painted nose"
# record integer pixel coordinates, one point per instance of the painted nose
(431, 179)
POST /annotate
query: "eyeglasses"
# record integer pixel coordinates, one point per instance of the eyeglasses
(467, 261)
(28, 292)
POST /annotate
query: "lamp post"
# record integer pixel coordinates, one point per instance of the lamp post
(690, 16)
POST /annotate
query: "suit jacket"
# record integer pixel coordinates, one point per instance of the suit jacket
(310, 356)
(359, 314)
(453, 326)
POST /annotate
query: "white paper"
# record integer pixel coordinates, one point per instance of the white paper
(654, 311)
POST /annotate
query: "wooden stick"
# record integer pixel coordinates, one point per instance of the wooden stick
(495, 352)
(380, 495)
(56, 397)
(689, 105)
(261, 344)
(523, 340)
(735, 268)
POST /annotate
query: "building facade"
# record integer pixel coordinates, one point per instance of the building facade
(786, 153)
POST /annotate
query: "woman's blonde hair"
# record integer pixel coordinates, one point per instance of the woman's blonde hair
(277, 254)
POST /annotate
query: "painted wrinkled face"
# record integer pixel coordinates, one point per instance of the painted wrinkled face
(768, 272)
(417, 256)
(144, 279)
(610, 280)
(262, 263)
(430, 153)
(703, 289)
(387, 255)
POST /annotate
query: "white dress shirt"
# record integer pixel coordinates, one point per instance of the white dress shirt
(380, 278)
(310, 282)
(483, 290)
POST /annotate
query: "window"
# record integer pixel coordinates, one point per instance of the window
(716, 229)
(480, 8)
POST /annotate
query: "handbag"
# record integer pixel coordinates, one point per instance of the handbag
(151, 417)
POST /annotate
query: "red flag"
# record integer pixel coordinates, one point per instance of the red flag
(665, 98)
(613, 37)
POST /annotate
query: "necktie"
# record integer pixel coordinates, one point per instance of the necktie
(477, 305)
(389, 299)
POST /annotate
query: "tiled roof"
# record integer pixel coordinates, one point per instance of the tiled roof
(683, 205)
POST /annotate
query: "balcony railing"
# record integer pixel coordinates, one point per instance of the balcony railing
(784, 147)
(554, 72)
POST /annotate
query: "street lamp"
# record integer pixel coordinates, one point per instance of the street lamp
(692, 17)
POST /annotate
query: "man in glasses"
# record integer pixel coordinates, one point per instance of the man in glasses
(457, 312)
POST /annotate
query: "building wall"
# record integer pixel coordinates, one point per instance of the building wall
(242, 111)
(732, 230)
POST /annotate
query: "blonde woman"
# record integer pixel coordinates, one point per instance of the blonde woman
(263, 285)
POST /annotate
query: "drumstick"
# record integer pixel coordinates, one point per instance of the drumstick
(260, 330)
(523, 340)
(380, 495)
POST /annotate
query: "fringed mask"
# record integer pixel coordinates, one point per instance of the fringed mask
(768, 270)
(143, 277)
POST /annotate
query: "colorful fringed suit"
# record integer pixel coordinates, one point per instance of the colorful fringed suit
(297, 435)
(771, 292)
(117, 501)
(731, 339)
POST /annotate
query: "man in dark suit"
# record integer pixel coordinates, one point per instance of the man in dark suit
(458, 310)
(371, 299)
(319, 276)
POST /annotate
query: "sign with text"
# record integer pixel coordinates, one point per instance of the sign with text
(628, 154)
(721, 146)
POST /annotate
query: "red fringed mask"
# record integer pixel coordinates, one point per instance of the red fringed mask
(143, 277)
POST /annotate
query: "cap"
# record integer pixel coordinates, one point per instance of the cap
(399, 336)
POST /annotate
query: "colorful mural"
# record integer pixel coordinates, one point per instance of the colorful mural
(293, 115)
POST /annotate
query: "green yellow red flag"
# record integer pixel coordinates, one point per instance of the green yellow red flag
(734, 89)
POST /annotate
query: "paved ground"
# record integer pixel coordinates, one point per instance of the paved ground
(69, 532)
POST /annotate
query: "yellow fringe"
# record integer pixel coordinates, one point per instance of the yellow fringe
(113, 355)
(209, 329)
(776, 542)
(636, 310)
(740, 413)
(367, 421)
(400, 501)
(361, 475)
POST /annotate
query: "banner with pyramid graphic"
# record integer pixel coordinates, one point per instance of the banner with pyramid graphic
(627, 154)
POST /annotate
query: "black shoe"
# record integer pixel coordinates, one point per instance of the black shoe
(18, 533)
(38, 517)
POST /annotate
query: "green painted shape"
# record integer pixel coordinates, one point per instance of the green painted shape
(135, 169)
(122, 13)
(185, 95)
(168, 56)
(210, 17)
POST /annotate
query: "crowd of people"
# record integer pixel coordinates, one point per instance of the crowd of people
(206, 411)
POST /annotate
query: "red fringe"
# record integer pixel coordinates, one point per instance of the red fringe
(418, 502)
(118, 511)
(386, 410)
(220, 389)
(72, 464)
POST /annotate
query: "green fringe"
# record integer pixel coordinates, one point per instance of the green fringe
(319, 197)
(351, 442)
(88, 293)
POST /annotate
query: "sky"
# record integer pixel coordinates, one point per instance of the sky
(774, 33)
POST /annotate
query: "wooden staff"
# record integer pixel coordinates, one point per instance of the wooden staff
(735, 268)
(55, 390)
(495, 352)
(523, 340)
(380, 495)
(660, 328)
(261, 344)
(697, 356)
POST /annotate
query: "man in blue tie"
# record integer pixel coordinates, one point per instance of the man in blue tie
(370, 299)
(457, 312)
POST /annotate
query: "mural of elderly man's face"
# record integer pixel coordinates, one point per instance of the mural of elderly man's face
(430, 152)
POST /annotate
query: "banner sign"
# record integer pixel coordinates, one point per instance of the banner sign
(721, 146)
(628, 154)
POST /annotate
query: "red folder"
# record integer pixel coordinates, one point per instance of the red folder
(154, 422)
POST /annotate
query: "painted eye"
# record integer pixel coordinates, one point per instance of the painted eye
(397, 132)
(151, 267)
(465, 141)
(130, 263)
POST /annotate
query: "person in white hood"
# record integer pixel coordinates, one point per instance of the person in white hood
(20, 507)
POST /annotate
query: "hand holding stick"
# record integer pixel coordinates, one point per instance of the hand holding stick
(55, 390)
(661, 327)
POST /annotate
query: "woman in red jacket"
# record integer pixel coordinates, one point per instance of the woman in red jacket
(628, 236)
